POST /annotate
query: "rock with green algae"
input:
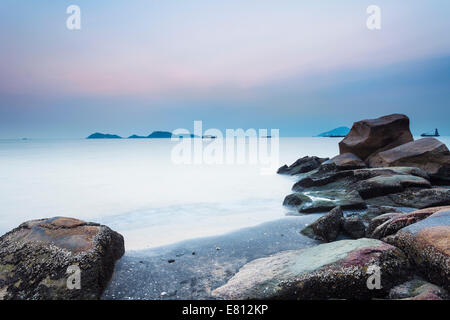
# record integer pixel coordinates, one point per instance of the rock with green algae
(37, 258)
(337, 270)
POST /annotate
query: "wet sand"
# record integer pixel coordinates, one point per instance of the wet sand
(192, 269)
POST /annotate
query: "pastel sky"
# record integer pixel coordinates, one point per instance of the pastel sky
(300, 66)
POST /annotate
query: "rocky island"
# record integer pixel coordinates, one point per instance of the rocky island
(335, 133)
(99, 135)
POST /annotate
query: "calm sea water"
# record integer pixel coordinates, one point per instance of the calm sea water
(134, 187)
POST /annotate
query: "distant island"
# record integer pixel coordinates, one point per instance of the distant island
(338, 132)
(153, 135)
(135, 136)
(99, 135)
(160, 135)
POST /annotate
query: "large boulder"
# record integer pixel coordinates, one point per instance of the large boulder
(327, 227)
(427, 245)
(333, 270)
(399, 221)
(302, 165)
(375, 135)
(429, 154)
(38, 258)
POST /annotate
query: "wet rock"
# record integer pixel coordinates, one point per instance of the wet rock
(418, 289)
(429, 154)
(375, 135)
(399, 221)
(349, 188)
(347, 161)
(324, 176)
(329, 177)
(415, 198)
(296, 200)
(377, 221)
(354, 227)
(334, 270)
(323, 201)
(326, 228)
(427, 245)
(388, 184)
(35, 259)
(375, 211)
(302, 165)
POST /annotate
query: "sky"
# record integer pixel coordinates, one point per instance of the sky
(303, 67)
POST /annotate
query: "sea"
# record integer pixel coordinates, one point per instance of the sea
(140, 189)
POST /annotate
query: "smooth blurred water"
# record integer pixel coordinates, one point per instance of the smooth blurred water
(134, 187)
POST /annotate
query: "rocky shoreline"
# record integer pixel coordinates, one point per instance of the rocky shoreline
(372, 222)
(380, 167)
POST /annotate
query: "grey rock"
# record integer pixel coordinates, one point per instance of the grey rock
(302, 165)
(326, 228)
(354, 227)
(336, 270)
(414, 198)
